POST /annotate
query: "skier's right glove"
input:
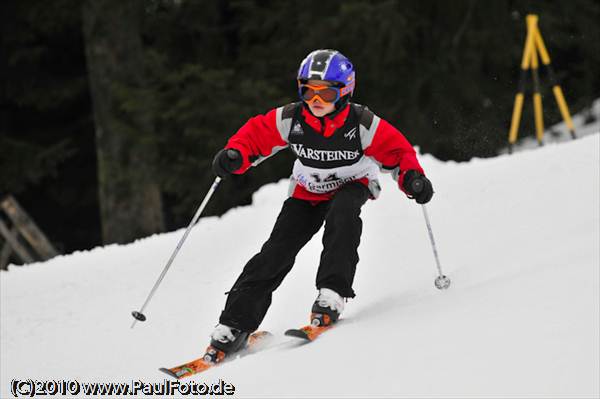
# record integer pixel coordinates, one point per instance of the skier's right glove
(417, 186)
(226, 162)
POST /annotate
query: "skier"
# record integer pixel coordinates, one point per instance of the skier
(340, 147)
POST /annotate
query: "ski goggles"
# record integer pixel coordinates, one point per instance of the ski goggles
(325, 94)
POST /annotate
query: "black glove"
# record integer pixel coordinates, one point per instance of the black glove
(226, 162)
(418, 187)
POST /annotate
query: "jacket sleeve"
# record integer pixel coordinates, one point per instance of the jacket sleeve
(260, 137)
(391, 150)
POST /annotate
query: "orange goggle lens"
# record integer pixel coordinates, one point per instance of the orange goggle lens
(327, 94)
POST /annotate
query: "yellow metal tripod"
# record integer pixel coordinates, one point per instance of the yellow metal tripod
(534, 45)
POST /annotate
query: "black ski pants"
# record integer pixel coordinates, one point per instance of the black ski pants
(299, 220)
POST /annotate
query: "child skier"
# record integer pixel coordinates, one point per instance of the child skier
(340, 148)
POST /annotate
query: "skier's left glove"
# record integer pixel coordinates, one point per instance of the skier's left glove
(417, 186)
(226, 162)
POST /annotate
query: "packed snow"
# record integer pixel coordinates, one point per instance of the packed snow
(518, 235)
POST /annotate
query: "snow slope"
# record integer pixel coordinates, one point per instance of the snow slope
(519, 236)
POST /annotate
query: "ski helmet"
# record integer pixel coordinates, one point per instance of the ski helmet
(331, 66)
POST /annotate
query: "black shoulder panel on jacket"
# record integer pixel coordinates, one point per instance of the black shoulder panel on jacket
(366, 115)
(289, 110)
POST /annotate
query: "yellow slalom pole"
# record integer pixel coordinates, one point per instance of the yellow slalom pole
(564, 110)
(529, 45)
(539, 120)
(539, 43)
(518, 106)
(537, 97)
(556, 89)
(534, 45)
(516, 119)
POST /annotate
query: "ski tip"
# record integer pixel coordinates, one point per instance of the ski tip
(297, 333)
(169, 372)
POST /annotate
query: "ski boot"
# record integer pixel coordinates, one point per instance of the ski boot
(225, 341)
(327, 308)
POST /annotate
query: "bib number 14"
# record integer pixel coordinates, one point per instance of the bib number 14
(330, 177)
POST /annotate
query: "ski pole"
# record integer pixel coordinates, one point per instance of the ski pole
(441, 282)
(140, 315)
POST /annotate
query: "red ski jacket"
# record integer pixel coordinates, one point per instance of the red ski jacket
(354, 145)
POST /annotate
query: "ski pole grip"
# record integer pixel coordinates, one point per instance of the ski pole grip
(416, 185)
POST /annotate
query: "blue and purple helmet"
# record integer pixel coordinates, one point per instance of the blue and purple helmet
(329, 65)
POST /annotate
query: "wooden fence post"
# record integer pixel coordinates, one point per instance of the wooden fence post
(28, 228)
(13, 241)
(41, 248)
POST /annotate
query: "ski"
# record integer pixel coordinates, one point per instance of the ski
(256, 342)
(309, 332)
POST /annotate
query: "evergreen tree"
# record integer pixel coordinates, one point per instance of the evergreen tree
(130, 198)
